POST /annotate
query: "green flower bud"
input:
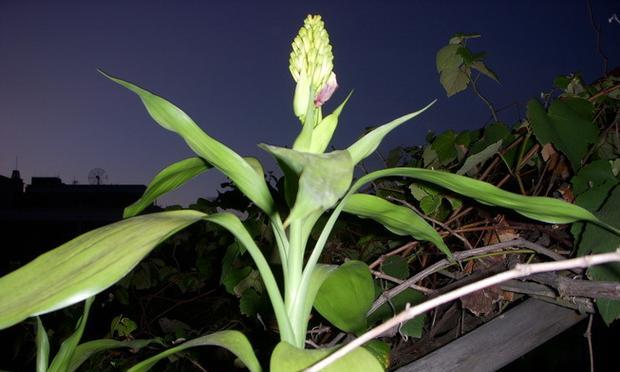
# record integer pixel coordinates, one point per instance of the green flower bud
(311, 61)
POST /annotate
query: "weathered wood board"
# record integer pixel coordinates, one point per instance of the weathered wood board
(501, 340)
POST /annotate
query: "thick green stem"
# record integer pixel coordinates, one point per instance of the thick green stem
(234, 225)
(293, 280)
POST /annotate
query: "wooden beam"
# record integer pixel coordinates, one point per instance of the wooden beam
(500, 341)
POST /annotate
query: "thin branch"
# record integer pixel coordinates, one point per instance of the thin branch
(520, 270)
(461, 256)
(381, 275)
(484, 99)
(597, 32)
(588, 336)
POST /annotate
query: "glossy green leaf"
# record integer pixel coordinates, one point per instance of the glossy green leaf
(536, 207)
(568, 126)
(88, 349)
(323, 132)
(234, 341)
(592, 175)
(479, 158)
(43, 347)
(62, 360)
(444, 147)
(346, 296)
(220, 156)
(85, 265)
(598, 240)
(366, 145)
(380, 350)
(323, 178)
(167, 180)
(287, 358)
(398, 219)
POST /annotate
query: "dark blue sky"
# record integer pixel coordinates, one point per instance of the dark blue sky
(225, 63)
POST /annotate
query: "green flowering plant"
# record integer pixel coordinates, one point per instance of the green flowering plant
(316, 182)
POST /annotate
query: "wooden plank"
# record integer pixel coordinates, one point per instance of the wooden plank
(500, 341)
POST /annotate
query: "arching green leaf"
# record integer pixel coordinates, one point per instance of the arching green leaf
(87, 349)
(219, 155)
(233, 341)
(287, 358)
(398, 219)
(62, 359)
(232, 223)
(85, 265)
(366, 145)
(43, 347)
(536, 207)
(167, 180)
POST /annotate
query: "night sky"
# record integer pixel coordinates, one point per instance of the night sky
(225, 63)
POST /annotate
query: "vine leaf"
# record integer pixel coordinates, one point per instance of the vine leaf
(598, 240)
(567, 125)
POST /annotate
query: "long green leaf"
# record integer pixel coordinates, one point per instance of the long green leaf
(536, 207)
(62, 359)
(366, 145)
(287, 358)
(167, 180)
(234, 341)
(323, 132)
(43, 347)
(87, 349)
(232, 223)
(398, 219)
(85, 265)
(219, 155)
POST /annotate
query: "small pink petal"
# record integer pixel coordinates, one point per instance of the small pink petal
(328, 89)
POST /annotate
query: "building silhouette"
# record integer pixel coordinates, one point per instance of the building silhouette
(47, 213)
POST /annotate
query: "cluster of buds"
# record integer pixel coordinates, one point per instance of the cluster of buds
(311, 64)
